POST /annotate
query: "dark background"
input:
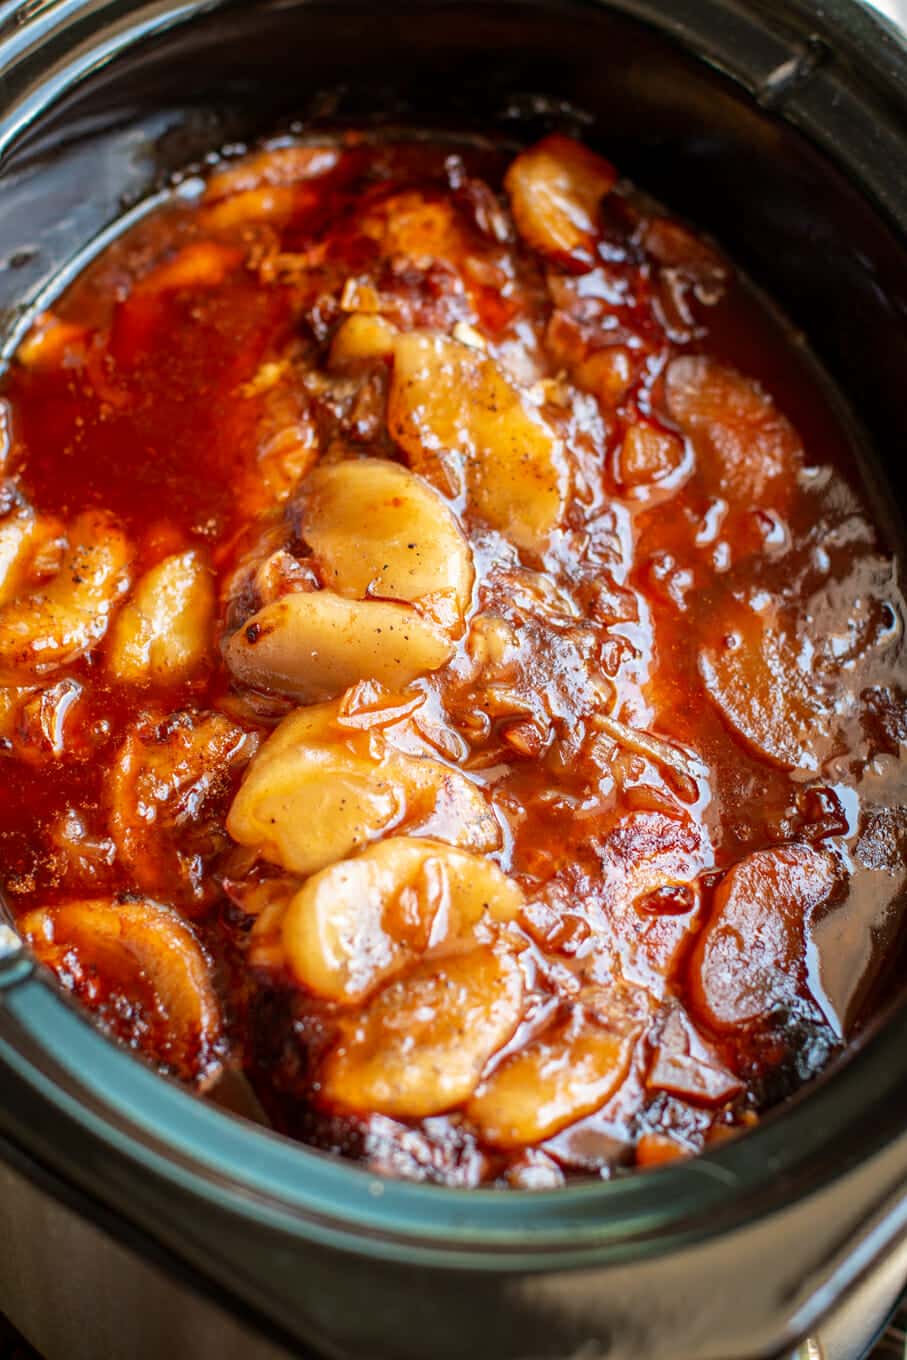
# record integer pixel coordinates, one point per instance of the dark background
(12, 1347)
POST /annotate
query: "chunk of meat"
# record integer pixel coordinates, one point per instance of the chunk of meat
(686, 1066)
(319, 790)
(555, 189)
(420, 1046)
(567, 1072)
(359, 922)
(286, 437)
(82, 858)
(166, 793)
(140, 968)
(746, 450)
(527, 662)
(464, 424)
(646, 850)
(647, 853)
(751, 958)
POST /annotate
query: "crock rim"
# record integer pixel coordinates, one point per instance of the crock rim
(115, 1099)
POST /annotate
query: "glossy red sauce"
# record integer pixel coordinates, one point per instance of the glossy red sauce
(675, 692)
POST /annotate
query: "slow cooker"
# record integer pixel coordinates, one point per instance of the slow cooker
(140, 1221)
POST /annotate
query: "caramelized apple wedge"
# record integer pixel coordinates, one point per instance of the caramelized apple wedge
(23, 535)
(571, 1069)
(362, 338)
(750, 959)
(398, 578)
(271, 167)
(163, 633)
(555, 189)
(318, 791)
(464, 425)
(380, 532)
(763, 681)
(359, 922)
(420, 1046)
(746, 450)
(141, 967)
(201, 264)
(69, 616)
(313, 645)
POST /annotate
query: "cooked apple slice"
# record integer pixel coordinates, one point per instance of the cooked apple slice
(20, 536)
(164, 632)
(361, 338)
(465, 425)
(383, 540)
(422, 1043)
(318, 791)
(763, 681)
(378, 530)
(555, 189)
(750, 959)
(746, 450)
(357, 923)
(142, 969)
(69, 616)
(569, 1071)
(271, 167)
(313, 645)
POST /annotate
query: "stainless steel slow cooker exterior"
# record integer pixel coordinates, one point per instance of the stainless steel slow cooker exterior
(143, 1222)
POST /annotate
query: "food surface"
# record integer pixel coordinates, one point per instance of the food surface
(452, 692)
